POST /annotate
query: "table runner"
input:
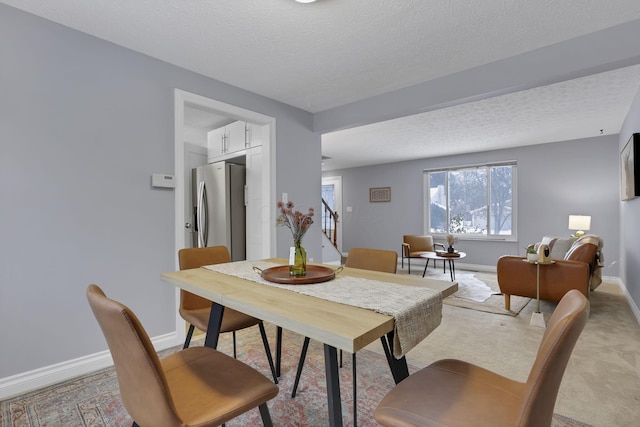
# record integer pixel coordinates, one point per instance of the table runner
(416, 310)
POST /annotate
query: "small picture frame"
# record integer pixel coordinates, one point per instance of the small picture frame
(380, 194)
(629, 169)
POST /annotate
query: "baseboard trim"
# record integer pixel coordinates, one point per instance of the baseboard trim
(48, 375)
(630, 301)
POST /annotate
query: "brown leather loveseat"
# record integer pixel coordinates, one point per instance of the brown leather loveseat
(579, 269)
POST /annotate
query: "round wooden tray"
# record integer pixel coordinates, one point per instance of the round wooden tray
(315, 274)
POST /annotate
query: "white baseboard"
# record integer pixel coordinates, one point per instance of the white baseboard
(632, 304)
(48, 375)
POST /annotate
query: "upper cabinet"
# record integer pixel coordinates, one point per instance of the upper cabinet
(232, 138)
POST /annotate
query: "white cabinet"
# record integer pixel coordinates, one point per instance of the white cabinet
(236, 137)
(230, 139)
(216, 143)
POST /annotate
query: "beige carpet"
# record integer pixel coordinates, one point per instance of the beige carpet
(601, 386)
(476, 291)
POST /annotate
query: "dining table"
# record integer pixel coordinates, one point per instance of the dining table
(348, 311)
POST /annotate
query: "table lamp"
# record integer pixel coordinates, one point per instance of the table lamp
(579, 223)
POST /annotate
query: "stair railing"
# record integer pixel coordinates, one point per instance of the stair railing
(330, 223)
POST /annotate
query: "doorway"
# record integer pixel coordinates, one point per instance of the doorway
(260, 162)
(332, 194)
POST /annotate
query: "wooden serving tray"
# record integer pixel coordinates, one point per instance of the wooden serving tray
(315, 274)
(447, 254)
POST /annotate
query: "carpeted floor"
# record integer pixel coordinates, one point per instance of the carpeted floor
(477, 291)
(599, 388)
(93, 400)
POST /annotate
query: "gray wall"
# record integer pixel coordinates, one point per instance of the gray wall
(554, 181)
(629, 216)
(83, 125)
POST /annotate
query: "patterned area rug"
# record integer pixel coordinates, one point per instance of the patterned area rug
(477, 291)
(93, 400)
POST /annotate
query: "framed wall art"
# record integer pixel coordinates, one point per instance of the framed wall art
(629, 169)
(380, 194)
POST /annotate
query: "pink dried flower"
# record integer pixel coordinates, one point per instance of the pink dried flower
(296, 221)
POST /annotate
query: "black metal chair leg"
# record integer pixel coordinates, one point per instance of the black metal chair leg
(267, 350)
(266, 416)
(234, 344)
(303, 355)
(355, 390)
(188, 339)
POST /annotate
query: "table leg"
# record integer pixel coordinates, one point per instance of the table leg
(278, 350)
(452, 269)
(213, 328)
(538, 287)
(399, 368)
(333, 386)
(537, 318)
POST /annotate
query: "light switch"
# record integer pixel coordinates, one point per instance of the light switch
(349, 209)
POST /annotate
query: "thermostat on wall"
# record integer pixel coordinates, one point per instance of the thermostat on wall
(163, 181)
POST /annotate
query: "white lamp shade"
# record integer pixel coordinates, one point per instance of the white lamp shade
(579, 222)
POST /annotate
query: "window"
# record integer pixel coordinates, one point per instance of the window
(471, 201)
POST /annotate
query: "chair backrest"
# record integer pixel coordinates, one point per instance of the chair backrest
(197, 257)
(372, 259)
(418, 243)
(142, 383)
(559, 339)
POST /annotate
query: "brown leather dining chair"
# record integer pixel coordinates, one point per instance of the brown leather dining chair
(456, 393)
(413, 246)
(196, 310)
(197, 386)
(365, 259)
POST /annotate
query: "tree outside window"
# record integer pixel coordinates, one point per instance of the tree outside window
(474, 201)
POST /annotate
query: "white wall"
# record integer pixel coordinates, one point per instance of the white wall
(84, 124)
(629, 214)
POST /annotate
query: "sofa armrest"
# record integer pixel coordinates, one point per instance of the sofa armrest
(516, 276)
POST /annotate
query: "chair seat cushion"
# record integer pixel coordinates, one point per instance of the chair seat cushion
(416, 254)
(210, 388)
(452, 393)
(232, 320)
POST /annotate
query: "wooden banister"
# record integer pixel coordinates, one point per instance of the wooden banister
(330, 223)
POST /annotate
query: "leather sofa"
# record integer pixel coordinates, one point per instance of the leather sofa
(578, 268)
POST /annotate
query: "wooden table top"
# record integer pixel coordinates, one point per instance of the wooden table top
(342, 326)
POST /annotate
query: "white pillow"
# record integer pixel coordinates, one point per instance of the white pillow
(561, 247)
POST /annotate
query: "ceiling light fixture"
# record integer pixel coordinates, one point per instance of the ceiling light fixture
(305, 1)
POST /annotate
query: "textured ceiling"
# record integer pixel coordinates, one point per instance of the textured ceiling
(579, 108)
(333, 52)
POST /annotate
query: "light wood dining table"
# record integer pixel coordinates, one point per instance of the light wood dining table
(336, 325)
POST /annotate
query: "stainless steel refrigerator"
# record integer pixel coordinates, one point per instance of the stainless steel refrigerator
(218, 195)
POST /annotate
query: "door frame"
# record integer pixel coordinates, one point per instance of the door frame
(337, 192)
(266, 217)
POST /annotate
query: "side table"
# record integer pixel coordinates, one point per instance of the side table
(537, 318)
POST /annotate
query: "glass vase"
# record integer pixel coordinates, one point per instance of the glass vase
(297, 260)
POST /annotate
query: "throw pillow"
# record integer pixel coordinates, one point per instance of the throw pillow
(561, 247)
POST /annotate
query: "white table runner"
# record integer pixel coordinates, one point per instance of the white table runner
(417, 311)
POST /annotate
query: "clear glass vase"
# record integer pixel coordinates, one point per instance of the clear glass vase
(297, 260)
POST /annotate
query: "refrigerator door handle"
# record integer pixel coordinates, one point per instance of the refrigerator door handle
(202, 216)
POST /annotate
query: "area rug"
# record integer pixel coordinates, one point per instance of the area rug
(93, 400)
(477, 291)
